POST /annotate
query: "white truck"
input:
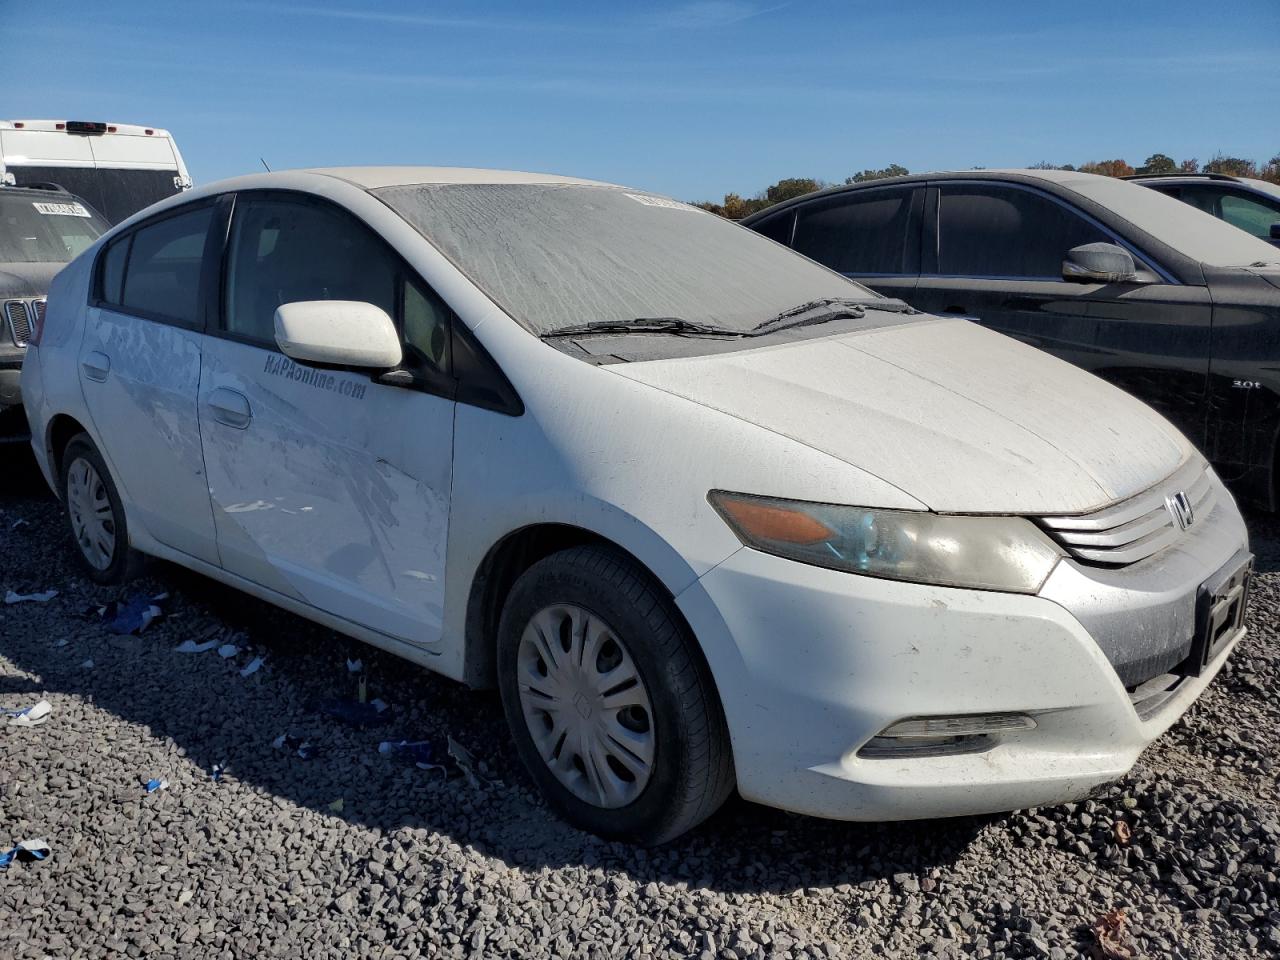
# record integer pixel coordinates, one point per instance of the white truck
(117, 168)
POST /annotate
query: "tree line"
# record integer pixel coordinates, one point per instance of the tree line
(736, 207)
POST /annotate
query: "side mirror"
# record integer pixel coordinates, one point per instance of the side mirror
(1275, 231)
(1098, 263)
(343, 333)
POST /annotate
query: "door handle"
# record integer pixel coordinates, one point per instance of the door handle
(230, 407)
(96, 365)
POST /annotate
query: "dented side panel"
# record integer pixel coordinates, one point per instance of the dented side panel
(336, 491)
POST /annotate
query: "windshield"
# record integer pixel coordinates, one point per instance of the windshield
(52, 229)
(562, 255)
(115, 192)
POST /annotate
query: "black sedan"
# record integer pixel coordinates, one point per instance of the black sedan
(1180, 309)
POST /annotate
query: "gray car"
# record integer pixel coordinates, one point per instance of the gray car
(1248, 203)
(41, 230)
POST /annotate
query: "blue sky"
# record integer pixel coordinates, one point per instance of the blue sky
(691, 99)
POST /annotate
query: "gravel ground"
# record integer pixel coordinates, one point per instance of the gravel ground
(266, 862)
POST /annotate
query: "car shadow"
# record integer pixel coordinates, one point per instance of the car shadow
(214, 715)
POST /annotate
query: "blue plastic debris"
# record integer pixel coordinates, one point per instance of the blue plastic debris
(157, 784)
(421, 753)
(25, 850)
(132, 615)
(356, 714)
(216, 772)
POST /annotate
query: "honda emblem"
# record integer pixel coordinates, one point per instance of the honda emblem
(1179, 508)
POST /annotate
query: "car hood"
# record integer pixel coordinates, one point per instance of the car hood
(27, 279)
(963, 419)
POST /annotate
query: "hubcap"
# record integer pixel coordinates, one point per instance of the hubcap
(585, 705)
(93, 521)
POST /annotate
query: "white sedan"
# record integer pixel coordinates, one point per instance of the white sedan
(708, 514)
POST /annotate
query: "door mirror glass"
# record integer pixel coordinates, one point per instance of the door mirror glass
(345, 333)
(1099, 263)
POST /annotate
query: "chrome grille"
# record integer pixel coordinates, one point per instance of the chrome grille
(18, 313)
(1137, 528)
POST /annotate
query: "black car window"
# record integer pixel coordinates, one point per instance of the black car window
(285, 250)
(162, 277)
(426, 328)
(858, 233)
(777, 228)
(1202, 199)
(997, 231)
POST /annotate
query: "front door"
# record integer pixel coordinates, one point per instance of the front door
(328, 486)
(140, 372)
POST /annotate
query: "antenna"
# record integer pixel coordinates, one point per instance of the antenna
(264, 165)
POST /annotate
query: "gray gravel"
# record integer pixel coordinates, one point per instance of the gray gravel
(262, 863)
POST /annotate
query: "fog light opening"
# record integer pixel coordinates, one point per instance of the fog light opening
(944, 736)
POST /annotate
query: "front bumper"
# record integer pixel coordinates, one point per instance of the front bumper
(812, 663)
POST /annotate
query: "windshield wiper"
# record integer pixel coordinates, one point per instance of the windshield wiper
(829, 308)
(673, 325)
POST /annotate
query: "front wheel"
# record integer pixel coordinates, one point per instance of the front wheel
(611, 705)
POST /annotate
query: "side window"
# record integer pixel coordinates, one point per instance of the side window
(1201, 199)
(284, 250)
(112, 276)
(858, 233)
(995, 231)
(778, 228)
(426, 328)
(1251, 216)
(155, 270)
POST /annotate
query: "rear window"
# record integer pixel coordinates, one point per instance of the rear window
(863, 232)
(52, 229)
(556, 255)
(154, 270)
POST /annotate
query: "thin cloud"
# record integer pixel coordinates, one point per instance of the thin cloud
(704, 14)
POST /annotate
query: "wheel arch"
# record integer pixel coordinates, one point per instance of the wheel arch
(498, 571)
(62, 427)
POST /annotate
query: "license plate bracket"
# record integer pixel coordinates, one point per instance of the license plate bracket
(1220, 607)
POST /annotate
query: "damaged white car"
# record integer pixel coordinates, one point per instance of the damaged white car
(708, 514)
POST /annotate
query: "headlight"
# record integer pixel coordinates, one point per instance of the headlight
(986, 553)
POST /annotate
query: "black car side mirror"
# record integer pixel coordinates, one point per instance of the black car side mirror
(1275, 231)
(1098, 263)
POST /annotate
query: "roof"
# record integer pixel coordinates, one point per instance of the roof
(371, 178)
(119, 129)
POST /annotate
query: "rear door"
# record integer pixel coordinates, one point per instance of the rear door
(993, 252)
(140, 372)
(329, 486)
(1245, 209)
(870, 235)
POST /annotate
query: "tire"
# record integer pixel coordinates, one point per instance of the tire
(89, 494)
(630, 625)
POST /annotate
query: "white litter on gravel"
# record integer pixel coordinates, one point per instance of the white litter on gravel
(45, 597)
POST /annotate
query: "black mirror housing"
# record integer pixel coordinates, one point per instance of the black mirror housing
(1099, 263)
(1275, 231)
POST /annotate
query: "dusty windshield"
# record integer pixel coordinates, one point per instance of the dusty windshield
(52, 229)
(557, 255)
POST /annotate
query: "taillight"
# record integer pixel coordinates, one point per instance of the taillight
(37, 328)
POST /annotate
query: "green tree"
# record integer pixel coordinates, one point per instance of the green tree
(1158, 163)
(1271, 169)
(1189, 166)
(793, 187)
(892, 170)
(1234, 166)
(1108, 168)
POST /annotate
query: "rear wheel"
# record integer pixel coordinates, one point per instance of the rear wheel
(611, 706)
(95, 515)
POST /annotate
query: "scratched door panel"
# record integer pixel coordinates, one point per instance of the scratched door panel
(336, 490)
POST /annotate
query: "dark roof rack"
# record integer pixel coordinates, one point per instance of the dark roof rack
(1159, 176)
(45, 185)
